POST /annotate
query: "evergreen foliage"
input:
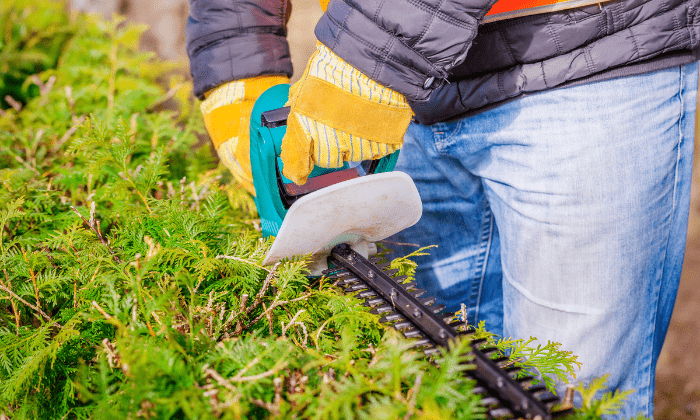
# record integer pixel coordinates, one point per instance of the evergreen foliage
(132, 284)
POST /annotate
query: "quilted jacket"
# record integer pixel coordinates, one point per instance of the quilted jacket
(437, 53)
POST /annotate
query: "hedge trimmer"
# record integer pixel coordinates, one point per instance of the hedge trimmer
(336, 217)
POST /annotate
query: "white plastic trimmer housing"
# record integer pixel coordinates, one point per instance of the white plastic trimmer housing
(357, 212)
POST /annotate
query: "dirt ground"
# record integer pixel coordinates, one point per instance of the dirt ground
(678, 372)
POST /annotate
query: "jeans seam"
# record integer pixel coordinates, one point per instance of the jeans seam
(650, 373)
(477, 286)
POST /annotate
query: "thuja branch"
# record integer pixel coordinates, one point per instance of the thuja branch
(12, 302)
(94, 225)
(226, 383)
(33, 307)
(32, 274)
(261, 293)
(243, 260)
(128, 179)
(243, 310)
(274, 305)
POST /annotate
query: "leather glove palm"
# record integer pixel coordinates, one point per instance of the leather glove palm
(226, 112)
(338, 114)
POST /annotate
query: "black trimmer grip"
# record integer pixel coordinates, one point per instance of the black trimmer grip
(275, 117)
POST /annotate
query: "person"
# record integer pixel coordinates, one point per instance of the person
(551, 143)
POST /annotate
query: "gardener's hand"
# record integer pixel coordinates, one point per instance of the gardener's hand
(338, 114)
(226, 112)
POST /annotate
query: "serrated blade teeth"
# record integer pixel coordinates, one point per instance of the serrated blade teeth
(347, 281)
(335, 273)
(381, 309)
(412, 333)
(402, 325)
(438, 308)
(503, 362)
(418, 292)
(489, 351)
(501, 413)
(478, 342)
(431, 351)
(489, 401)
(374, 301)
(356, 288)
(421, 343)
(510, 368)
(526, 378)
(383, 265)
(392, 317)
(418, 323)
(427, 301)
(366, 294)
(533, 389)
(408, 286)
(547, 397)
(479, 390)
(397, 279)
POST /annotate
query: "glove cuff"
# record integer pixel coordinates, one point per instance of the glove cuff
(352, 102)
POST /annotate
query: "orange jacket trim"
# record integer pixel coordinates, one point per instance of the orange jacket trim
(508, 9)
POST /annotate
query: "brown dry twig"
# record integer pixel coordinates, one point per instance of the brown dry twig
(294, 322)
(226, 383)
(239, 323)
(412, 394)
(266, 405)
(274, 305)
(33, 307)
(263, 290)
(269, 319)
(44, 88)
(165, 97)
(94, 225)
(243, 310)
(243, 260)
(12, 302)
(16, 105)
(101, 311)
(67, 135)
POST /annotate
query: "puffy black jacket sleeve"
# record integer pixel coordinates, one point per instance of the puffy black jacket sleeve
(235, 39)
(407, 45)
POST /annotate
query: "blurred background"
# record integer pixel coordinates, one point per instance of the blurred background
(677, 380)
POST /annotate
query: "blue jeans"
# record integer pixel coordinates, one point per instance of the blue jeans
(563, 215)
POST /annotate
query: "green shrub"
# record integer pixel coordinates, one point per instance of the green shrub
(31, 41)
(131, 283)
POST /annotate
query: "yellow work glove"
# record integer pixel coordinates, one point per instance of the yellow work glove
(226, 112)
(338, 114)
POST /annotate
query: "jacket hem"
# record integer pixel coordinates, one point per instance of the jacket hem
(661, 62)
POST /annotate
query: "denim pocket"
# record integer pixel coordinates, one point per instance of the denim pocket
(445, 134)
